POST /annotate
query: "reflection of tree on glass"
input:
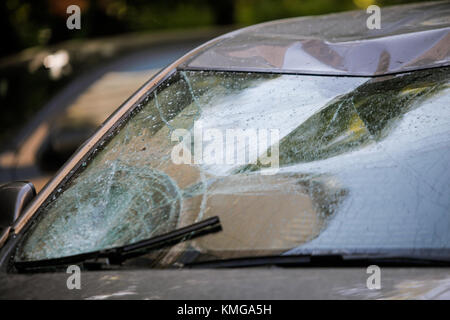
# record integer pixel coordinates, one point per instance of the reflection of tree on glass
(360, 117)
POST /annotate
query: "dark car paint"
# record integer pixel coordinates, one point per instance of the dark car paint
(259, 283)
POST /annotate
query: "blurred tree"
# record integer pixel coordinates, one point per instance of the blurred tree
(27, 23)
(8, 32)
(223, 11)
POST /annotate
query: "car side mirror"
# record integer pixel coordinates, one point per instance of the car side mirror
(14, 196)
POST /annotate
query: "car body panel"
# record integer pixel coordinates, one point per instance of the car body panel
(274, 283)
(411, 38)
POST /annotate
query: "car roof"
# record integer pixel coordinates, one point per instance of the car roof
(411, 37)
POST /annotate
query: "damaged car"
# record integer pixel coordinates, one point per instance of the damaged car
(303, 143)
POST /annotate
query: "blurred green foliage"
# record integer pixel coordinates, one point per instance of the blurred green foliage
(27, 23)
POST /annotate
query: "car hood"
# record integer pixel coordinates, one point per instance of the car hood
(261, 283)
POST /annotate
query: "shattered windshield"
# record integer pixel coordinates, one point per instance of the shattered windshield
(290, 164)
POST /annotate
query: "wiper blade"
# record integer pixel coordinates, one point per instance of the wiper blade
(117, 255)
(326, 260)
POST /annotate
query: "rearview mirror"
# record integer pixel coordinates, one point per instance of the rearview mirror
(14, 196)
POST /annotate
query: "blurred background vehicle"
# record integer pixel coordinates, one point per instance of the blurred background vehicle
(36, 145)
(57, 85)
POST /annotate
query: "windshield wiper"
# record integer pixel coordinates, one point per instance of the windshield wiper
(117, 255)
(326, 260)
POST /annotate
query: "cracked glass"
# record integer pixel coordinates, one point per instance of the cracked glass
(363, 166)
